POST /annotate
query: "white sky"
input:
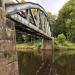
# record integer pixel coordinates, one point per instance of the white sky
(50, 5)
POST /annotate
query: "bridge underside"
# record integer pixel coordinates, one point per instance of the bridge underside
(30, 31)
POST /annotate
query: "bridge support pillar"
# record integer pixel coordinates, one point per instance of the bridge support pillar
(47, 48)
(8, 56)
(46, 44)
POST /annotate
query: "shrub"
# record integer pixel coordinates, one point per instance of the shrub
(61, 38)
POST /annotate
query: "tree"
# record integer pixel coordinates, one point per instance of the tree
(61, 38)
(66, 20)
(52, 21)
(19, 38)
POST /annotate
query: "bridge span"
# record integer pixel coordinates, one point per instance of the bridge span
(32, 17)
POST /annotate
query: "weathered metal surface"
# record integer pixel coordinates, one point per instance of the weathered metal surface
(13, 8)
(20, 19)
(40, 20)
(8, 56)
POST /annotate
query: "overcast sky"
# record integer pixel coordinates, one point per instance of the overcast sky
(51, 5)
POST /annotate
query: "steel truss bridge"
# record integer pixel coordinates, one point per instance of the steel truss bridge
(31, 18)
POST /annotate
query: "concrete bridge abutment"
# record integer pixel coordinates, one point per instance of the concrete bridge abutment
(47, 48)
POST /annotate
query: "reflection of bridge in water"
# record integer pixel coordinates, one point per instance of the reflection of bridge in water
(25, 17)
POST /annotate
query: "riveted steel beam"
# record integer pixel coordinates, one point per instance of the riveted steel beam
(18, 18)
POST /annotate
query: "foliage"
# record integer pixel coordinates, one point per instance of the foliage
(36, 45)
(24, 46)
(61, 38)
(70, 44)
(52, 21)
(64, 45)
(22, 38)
(19, 38)
(66, 20)
(26, 41)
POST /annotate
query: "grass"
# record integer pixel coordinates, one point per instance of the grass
(66, 44)
(24, 45)
(69, 44)
(28, 46)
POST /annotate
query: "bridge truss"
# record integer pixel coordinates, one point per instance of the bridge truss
(31, 18)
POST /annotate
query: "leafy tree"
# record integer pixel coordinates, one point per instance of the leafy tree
(52, 21)
(19, 38)
(66, 20)
(61, 38)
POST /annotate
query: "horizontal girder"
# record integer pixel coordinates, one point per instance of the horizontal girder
(18, 18)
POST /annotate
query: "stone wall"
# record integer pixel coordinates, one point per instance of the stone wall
(8, 56)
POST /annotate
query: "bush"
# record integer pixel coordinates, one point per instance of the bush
(61, 38)
(56, 41)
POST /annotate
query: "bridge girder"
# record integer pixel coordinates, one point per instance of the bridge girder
(31, 15)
